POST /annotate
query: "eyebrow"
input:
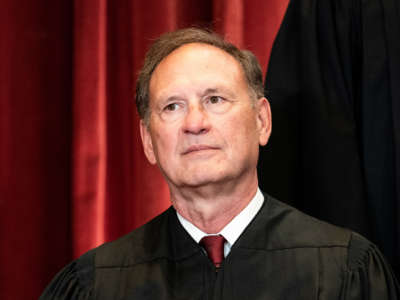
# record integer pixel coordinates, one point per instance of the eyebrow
(217, 90)
(202, 94)
(172, 98)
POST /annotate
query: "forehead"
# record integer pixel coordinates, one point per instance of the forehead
(198, 65)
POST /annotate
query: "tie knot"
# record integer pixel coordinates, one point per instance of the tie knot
(214, 246)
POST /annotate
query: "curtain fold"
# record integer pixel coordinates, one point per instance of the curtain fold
(35, 138)
(89, 124)
(229, 19)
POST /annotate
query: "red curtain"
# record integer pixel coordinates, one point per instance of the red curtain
(72, 171)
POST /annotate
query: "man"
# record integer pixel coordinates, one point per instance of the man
(203, 118)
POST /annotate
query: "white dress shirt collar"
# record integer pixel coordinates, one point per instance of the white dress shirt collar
(234, 228)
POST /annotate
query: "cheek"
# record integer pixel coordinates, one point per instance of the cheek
(236, 134)
(164, 145)
(244, 133)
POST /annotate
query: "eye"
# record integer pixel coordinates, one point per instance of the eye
(215, 99)
(172, 107)
(172, 111)
(217, 104)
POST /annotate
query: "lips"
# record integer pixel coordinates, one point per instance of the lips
(196, 148)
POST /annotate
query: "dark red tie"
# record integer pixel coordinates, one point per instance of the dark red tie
(214, 245)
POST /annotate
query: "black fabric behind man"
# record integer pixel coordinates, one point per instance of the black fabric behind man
(334, 87)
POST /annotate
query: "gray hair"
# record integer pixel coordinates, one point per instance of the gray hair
(170, 41)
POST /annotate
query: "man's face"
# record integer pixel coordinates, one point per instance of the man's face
(203, 128)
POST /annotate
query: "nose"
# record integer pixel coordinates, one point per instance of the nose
(196, 120)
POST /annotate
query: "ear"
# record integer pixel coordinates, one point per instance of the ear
(147, 143)
(264, 121)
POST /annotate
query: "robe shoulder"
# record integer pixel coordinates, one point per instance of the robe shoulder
(368, 275)
(364, 272)
(75, 281)
(285, 227)
(144, 244)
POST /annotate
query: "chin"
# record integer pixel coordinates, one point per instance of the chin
(204, 179)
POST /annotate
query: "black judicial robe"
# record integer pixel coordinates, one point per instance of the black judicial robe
(282, 254)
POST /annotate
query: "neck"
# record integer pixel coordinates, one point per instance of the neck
(212, 207)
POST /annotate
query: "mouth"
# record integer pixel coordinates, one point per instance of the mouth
(198, 148)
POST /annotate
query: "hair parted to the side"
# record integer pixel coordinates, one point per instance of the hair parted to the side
(170, 41)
